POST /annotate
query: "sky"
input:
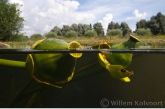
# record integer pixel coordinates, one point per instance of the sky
(42, 15)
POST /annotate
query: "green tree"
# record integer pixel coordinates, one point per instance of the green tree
(99, 29)
(90, 26)
(142, 31)
(80, 29)
(74, 27)
(111, 25)
(142, 24)
(36, 37)
(157, 24)
(117, 26)
(154, 26)
(51, 35)
(64, 29)
(125, 28)
(56, 30)
(20, 38)
(86, 27)
(71, 33)
(90, 33)
(10, 21)
(114, 32)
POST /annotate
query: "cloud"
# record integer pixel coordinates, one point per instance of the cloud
(72, 5)
(106, 20)
(137, 15)
(42, 17)
(19, 2)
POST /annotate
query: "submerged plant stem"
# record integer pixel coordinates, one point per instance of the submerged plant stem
(12, 63)
(31, 101)
(19, 94)
(95, 68)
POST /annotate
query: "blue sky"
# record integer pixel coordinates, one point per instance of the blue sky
(42, 15)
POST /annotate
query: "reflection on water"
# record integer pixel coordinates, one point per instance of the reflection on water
(89, 47)
(149, 47)
(144, 47)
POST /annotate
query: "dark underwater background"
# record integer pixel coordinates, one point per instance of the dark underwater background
(147, 84)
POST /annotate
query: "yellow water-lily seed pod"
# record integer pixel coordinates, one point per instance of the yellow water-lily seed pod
(52, 69)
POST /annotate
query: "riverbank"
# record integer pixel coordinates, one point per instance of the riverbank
(153, 41)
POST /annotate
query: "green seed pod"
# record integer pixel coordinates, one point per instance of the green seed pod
(56, 68)
(116, 71)
(123, 59)
(116, 62)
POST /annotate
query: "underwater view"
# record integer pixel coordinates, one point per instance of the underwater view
(54, 73)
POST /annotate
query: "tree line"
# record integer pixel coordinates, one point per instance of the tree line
(11, 23)
(80, 29)
(156, 25)
(83, 29)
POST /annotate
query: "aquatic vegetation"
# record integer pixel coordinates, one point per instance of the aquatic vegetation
(116, 63)
(55, 69)
(46, 68)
